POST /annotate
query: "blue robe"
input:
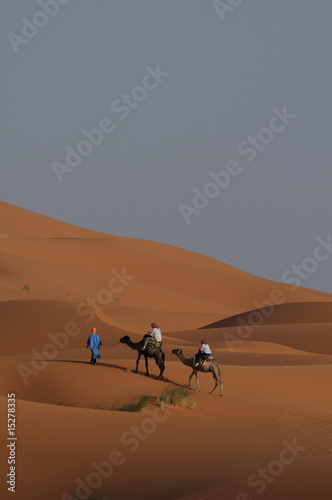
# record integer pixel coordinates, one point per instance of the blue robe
(94, 342)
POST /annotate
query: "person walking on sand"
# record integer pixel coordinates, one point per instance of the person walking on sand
(94, 343)
(203, 353)
(156, 340)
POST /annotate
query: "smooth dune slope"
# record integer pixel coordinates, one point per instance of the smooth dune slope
(296, 313)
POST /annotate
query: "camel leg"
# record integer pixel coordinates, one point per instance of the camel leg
(218, 379)
(162, 368)
(215, 384)
(190, 377)
(160, 364)
(137, 361)
(197, 382)
(146, 366)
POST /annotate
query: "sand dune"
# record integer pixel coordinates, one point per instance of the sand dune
(59, 280)
(29, 324)
(308, 312)
(309, 337)
(112, 382)
(247, 429)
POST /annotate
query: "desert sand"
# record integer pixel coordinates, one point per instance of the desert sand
(268, 436)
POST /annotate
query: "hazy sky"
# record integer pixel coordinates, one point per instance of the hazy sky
(178, 89)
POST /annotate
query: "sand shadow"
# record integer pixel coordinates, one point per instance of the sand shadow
(118, 367)
(107, 365)
(155, 377)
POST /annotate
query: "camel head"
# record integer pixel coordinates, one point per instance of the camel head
(125, 339)
(177, 351)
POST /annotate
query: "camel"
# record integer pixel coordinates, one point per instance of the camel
(149, 352)
(208, 366)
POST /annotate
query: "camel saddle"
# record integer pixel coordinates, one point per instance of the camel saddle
(209, 358)
(155, 343)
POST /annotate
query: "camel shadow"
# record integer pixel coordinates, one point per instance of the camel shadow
(118, 367)
(107, 365)
(155, 377)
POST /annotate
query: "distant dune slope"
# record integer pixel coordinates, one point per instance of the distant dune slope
(315, 312)
(307, 337)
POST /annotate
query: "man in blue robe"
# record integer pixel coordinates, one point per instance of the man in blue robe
(94, 342)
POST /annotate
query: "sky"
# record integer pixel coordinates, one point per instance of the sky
(198, 123)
